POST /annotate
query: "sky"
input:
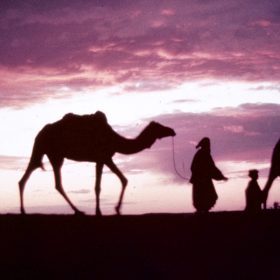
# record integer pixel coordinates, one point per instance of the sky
(204, 68)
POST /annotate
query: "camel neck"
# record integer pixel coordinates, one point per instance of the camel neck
(131, 146)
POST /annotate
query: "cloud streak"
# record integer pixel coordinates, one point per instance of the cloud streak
(248, 134)
(81, 44)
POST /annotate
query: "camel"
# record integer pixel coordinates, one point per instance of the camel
(87, 138)
(274, 172)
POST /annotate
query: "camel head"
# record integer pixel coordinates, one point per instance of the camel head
(160, 131)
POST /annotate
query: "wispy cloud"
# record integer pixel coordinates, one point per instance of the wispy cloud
(81, 191)
(81, 44)
(12, 162)
(249, 134)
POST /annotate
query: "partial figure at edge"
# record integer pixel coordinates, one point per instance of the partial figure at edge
(203, 171)
(274, 172)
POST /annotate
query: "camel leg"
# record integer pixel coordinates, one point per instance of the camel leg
(266, 190)
(115, 170)
(31, 167)
(56, 164)
(99, 168)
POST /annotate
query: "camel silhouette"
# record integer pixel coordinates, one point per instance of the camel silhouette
(87, 138)
(274, 172)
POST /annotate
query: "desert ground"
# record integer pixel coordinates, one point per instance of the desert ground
(218, 245)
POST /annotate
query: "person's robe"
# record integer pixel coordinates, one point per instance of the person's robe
(253, 197)
(203, 171)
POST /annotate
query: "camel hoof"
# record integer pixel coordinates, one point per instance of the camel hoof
(98, 213)
(22, 211)
(118, 210)
(79, 213)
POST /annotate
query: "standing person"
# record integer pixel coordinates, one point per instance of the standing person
(253, 193)
(203, 171)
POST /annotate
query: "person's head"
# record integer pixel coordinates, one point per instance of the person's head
(204, 143)
(254, 174)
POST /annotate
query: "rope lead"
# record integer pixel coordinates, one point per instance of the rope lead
(174, 162)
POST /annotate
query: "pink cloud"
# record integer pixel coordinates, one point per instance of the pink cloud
(168, 12)
(130, 41)
(234, 128)
(262, 23)
(249, 137)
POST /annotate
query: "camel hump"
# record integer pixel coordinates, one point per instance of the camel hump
(90, 121)
(98, 116)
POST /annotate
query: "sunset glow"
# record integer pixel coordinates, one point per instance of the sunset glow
(203, 68)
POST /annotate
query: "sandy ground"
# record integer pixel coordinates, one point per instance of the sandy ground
(226, 245)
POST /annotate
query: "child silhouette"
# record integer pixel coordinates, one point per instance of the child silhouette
(253, 192)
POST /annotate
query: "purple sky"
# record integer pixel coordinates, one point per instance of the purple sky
(85, 44)
(215, 66)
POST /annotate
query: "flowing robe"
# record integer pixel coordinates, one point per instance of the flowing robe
(253, 196)
(203, 171)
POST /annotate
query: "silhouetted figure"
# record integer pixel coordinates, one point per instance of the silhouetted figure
(203, 171)
(87, 138)
(274, 172)
(253, 193)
